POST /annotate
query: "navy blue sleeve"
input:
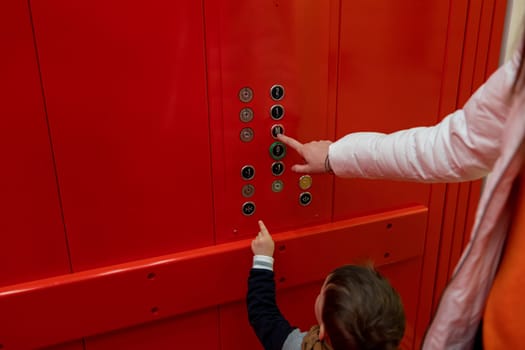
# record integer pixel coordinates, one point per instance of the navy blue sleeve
(266, 319)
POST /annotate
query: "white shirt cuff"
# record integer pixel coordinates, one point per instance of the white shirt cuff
(263, 262)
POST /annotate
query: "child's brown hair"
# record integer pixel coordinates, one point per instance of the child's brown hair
(361, 310)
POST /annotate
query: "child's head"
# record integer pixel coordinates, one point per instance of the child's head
(358, 309)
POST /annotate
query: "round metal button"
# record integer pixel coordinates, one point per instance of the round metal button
(277, 150)
(276, 130)
(277, 112)
(246, 114)
(277, 92)
(305, 182)
(305, 198)
(246, 94)
(247, 172)
(277, 168)
(248, 208)
(277, 186)
(246, 134)
(248, 190)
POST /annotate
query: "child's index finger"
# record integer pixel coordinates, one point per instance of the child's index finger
(262, 227)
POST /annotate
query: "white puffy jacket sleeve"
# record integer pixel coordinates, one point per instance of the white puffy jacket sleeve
(463, 146)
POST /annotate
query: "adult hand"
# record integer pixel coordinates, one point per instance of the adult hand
(314, 154)
(263, 244)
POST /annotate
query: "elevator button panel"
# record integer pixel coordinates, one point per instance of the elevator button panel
(248, 190)
(246, 115)
(305, 182)
(276, 130)
(248, 208)
(277, 150)
(305, 198)
(248, 172)
(246, 134)
(277, 112)
(277, 92)
(277, 168)
(277, 186)
(246, 94)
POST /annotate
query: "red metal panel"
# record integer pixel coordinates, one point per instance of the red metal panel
(97, 301)
(31, 232)
(468, 202)
(458, 194)
(399, 62)
(262, 44)
(460, 233)
(198, 330)
(480, 52)
(495, 35)
(449, 90)
(126, 97)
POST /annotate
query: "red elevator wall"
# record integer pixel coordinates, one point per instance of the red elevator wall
(388, 80)
(129, 124)
(130, 128)
(32, 238)
(290, 44)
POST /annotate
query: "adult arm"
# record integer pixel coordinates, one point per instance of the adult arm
(463, 146)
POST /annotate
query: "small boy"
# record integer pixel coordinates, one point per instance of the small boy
(356, 309)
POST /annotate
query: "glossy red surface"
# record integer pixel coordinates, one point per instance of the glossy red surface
(262, 44)
(389, 79)
(121, 296)
(32, 238)
(479, 54)
(125, 87)
(143, 108)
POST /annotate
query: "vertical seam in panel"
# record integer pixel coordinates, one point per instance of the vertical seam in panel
(337, 63)
(46, 116)
(446, 190)
(434, 303)
(489, 44)
(206, 79)
(432, 196)
(476, 61)
(444, 65)
(458, 91)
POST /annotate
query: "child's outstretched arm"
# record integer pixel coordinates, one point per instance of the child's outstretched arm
(266, 319)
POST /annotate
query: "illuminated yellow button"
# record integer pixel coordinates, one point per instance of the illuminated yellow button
(305, 182)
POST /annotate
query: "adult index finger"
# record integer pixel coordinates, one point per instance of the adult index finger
(287, 140)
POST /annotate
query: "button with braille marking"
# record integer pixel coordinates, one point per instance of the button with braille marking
(276, 130)
(277, 92)
(305, 182)
(246, 134)
(246, 94)
(277, 150)
(248, 208)
(246, 115)
(277, 112)
(247, 172)
(277, 168)
(305, 198)
(248, 190)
